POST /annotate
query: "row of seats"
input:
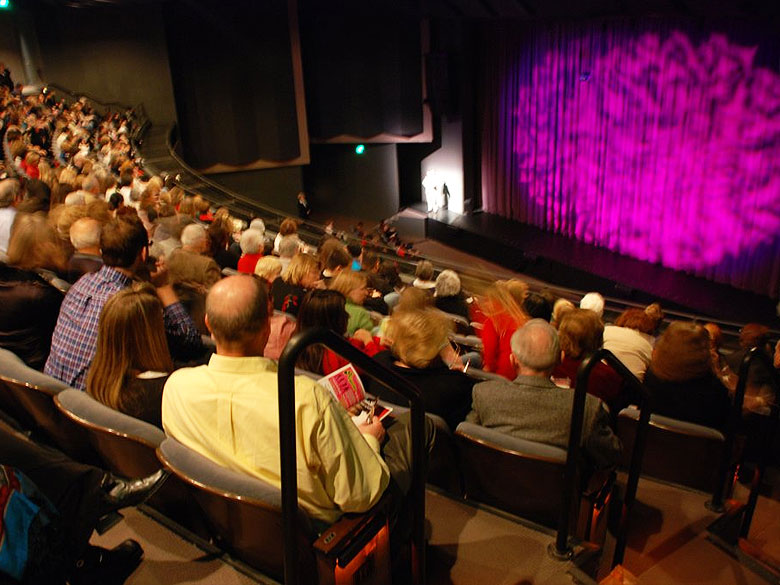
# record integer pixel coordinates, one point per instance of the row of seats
(243, 515)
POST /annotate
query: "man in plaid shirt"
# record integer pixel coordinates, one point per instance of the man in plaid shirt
(123, 245)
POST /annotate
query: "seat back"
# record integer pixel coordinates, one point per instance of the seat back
(522, 477)
(244, 515)
(676, 451)
(32, 392)
(126, 445)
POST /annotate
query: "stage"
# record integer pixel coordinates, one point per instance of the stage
(568, 263)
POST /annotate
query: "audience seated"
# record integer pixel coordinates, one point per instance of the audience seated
(416, 340)
(123, 244)
(287, 291)
(593, 301)
(448, 296)
(759, 392)
(85, 238)
(29, 305)
(220, 234)
(681, 377)
(581, 332)
(423, 276)
(504, 314)
(10, 196)
(353, 286)
(630, 339)
(288, 248)
(189, 265)
(252, 250)
(228, 412)
(131, 361)
(533, 408)
(268, 268)
(560, 308)
(537, 306)
(334, 260)
(288, 227)
(326, 308)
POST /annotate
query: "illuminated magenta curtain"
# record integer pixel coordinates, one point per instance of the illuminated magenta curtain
(658, 140)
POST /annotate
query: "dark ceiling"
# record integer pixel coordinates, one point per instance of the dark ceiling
(512, 9)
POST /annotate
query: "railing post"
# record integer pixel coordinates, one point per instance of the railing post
(286, 374)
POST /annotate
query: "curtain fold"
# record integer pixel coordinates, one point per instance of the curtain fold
(657, 139)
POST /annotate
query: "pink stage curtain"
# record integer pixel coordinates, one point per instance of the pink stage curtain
(657, 139)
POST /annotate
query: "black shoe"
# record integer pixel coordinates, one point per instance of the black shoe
(122, 493)
(100, 566)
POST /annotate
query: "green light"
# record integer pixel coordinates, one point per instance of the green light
(5, 4)
(359, 149)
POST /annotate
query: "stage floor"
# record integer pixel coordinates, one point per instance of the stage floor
(568, 263)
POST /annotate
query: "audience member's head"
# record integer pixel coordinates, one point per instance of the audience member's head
(412, 298)
(352, 285)
(252, 241)
(716, 335)
(304, 270)
(131, 340)
(10, 190)
(593, 301)
(535, 348)
(418, 336)
(447, 284)
(537, 306)
(753, 335)
(682, 353)
(194, 238)
(505, 297)
(636, 319)
(581, 332)
(34, 245)
(85, 235)
(424, 270)
(257, 224)
(268, 268)
(320, 308)
(123, 241)
(289, 246)
(560, 308)
(288, 227)
(237, 312)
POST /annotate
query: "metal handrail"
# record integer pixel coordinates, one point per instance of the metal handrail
(332, 341)
(735, 419)
(560, 549)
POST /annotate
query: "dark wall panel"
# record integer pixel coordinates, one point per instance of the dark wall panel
(362, 69)
(341, 182)
(233, 78)
(114, 54)
(276, 188)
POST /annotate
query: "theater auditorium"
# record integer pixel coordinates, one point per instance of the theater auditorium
(393, 291)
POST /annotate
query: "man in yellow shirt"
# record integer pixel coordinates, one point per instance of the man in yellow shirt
(228, 411)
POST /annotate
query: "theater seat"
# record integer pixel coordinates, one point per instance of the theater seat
(525, 478)
(676, 451)
(127, 447)
(30, 394)
(245, 518)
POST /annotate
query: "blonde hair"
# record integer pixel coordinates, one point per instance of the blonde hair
(268, 268)
(412, 298)
(418, 335)
(131, 340)
(347, 281)
(581, 331)
(506, 296)
(299, 267)
(34, 244)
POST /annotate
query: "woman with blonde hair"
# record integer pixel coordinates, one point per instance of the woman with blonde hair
(418, 339)
(354, 286)
(29, 304)
(132, 361)
(268, 268)
(302, 275)
(503, 309)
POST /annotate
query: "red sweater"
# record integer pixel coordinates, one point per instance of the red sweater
(496, 337)
(332, 361)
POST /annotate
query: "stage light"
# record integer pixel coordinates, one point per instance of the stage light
(5, 4)
(359, 149)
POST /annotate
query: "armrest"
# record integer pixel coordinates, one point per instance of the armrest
(346, 537)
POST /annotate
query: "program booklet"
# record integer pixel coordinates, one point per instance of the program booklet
(347, 387)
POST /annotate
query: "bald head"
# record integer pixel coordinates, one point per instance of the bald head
(85, 235)
(237, 315)
(535, 348)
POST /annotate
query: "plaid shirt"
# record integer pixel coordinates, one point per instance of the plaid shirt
(74, 341)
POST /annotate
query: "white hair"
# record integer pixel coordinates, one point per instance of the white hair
(257, 224)
(193, 234)
(252, 241)
(75, 198)
(593, 301)
(85, 233)
(536, 346)
(289, 246)
(447, 284)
